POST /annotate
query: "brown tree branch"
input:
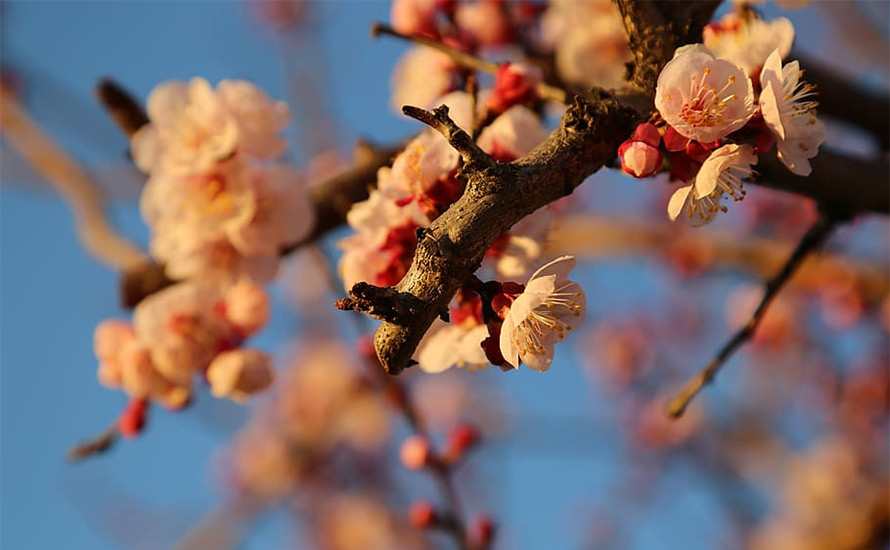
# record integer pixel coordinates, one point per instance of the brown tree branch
(123, 108)
(814, 238)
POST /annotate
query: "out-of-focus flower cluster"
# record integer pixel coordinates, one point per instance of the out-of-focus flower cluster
(192, 328)
(217, 202)
(720, 104)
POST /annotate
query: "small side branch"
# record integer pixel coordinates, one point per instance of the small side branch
(383, 303)
(814, 238)
(473, 156)
(121, 106)
(95, 445)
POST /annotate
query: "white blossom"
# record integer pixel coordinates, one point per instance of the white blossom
(548, 308)
(790, 112)
(721, 174)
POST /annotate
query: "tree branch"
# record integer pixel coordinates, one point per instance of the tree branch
(95, 445)
(811, 241)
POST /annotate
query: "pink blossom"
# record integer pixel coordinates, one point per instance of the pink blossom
(247, 306)
(446, 345)
(484, 21)
(748, 40)
(513, 134)
(414, 16)
(589, 42)
(702, 97)
(259, 119)
(421, 76)
(239, 374)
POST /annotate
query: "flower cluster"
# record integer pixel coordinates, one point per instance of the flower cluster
(216, 202)
(714, 119)
(421, 184)
(187, 329)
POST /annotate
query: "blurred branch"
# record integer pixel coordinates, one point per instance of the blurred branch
(123, 108)
(50, 161)
(595, 237)
(95, 445)
(811, 241)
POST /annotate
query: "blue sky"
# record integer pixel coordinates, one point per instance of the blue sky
(53, 294)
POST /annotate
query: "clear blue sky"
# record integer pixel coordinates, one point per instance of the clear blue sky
(146, 493)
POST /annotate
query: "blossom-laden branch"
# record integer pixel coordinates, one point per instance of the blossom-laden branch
(814, 238)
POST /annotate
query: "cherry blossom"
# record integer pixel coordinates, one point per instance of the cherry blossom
(721, 174)
(589, 42)
(548, 308)
(702, 97)
(515, 84)
(239, 374)
(790, 112)
(446, 345)
(747, 40)
(414, 16)
(421, 76)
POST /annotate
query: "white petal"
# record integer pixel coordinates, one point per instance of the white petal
(678, 201)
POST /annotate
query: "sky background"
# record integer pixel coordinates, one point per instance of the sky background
(146, 493)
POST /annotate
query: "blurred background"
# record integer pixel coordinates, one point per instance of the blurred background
(579, 457)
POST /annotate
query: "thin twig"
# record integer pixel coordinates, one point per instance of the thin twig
(811, 241)
(95, 445)
(121, 106)
(467, 60)
(49, 160)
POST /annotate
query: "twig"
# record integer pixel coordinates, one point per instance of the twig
(812, 240)
(61, 171)
(467, 60)
(122, 106)
(95, 445)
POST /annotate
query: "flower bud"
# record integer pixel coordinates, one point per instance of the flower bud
(515, 84)
(482, 531)
(422, 514)
(461, 439)
(132, 421)
(639, 159)
(415, 452)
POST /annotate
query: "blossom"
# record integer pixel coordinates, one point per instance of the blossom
(589, 42)
(414, 16)
(747, 41)
(721, 174)
(790, 112)
(421, 76)
(194, 127)
(183, 329)
(239, 374)
(702, 97)
(548, 308)
(513, 134)
(247, 306)
(446, 345)
(484, 22)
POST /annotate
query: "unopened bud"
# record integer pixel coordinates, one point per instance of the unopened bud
(422, 514)
(639, 159)
(132, 421)
(415, 452)
(482, 532)
(461, 439)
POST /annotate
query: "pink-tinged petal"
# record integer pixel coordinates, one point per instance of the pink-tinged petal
(678, 201)
(560, 267)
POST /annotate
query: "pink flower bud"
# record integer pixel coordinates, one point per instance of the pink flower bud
(132, 420)
(461, 439)
(482, 531)
(415, 452)
(422, 514)
(516, 83)
(639, 159)
(647, 133)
